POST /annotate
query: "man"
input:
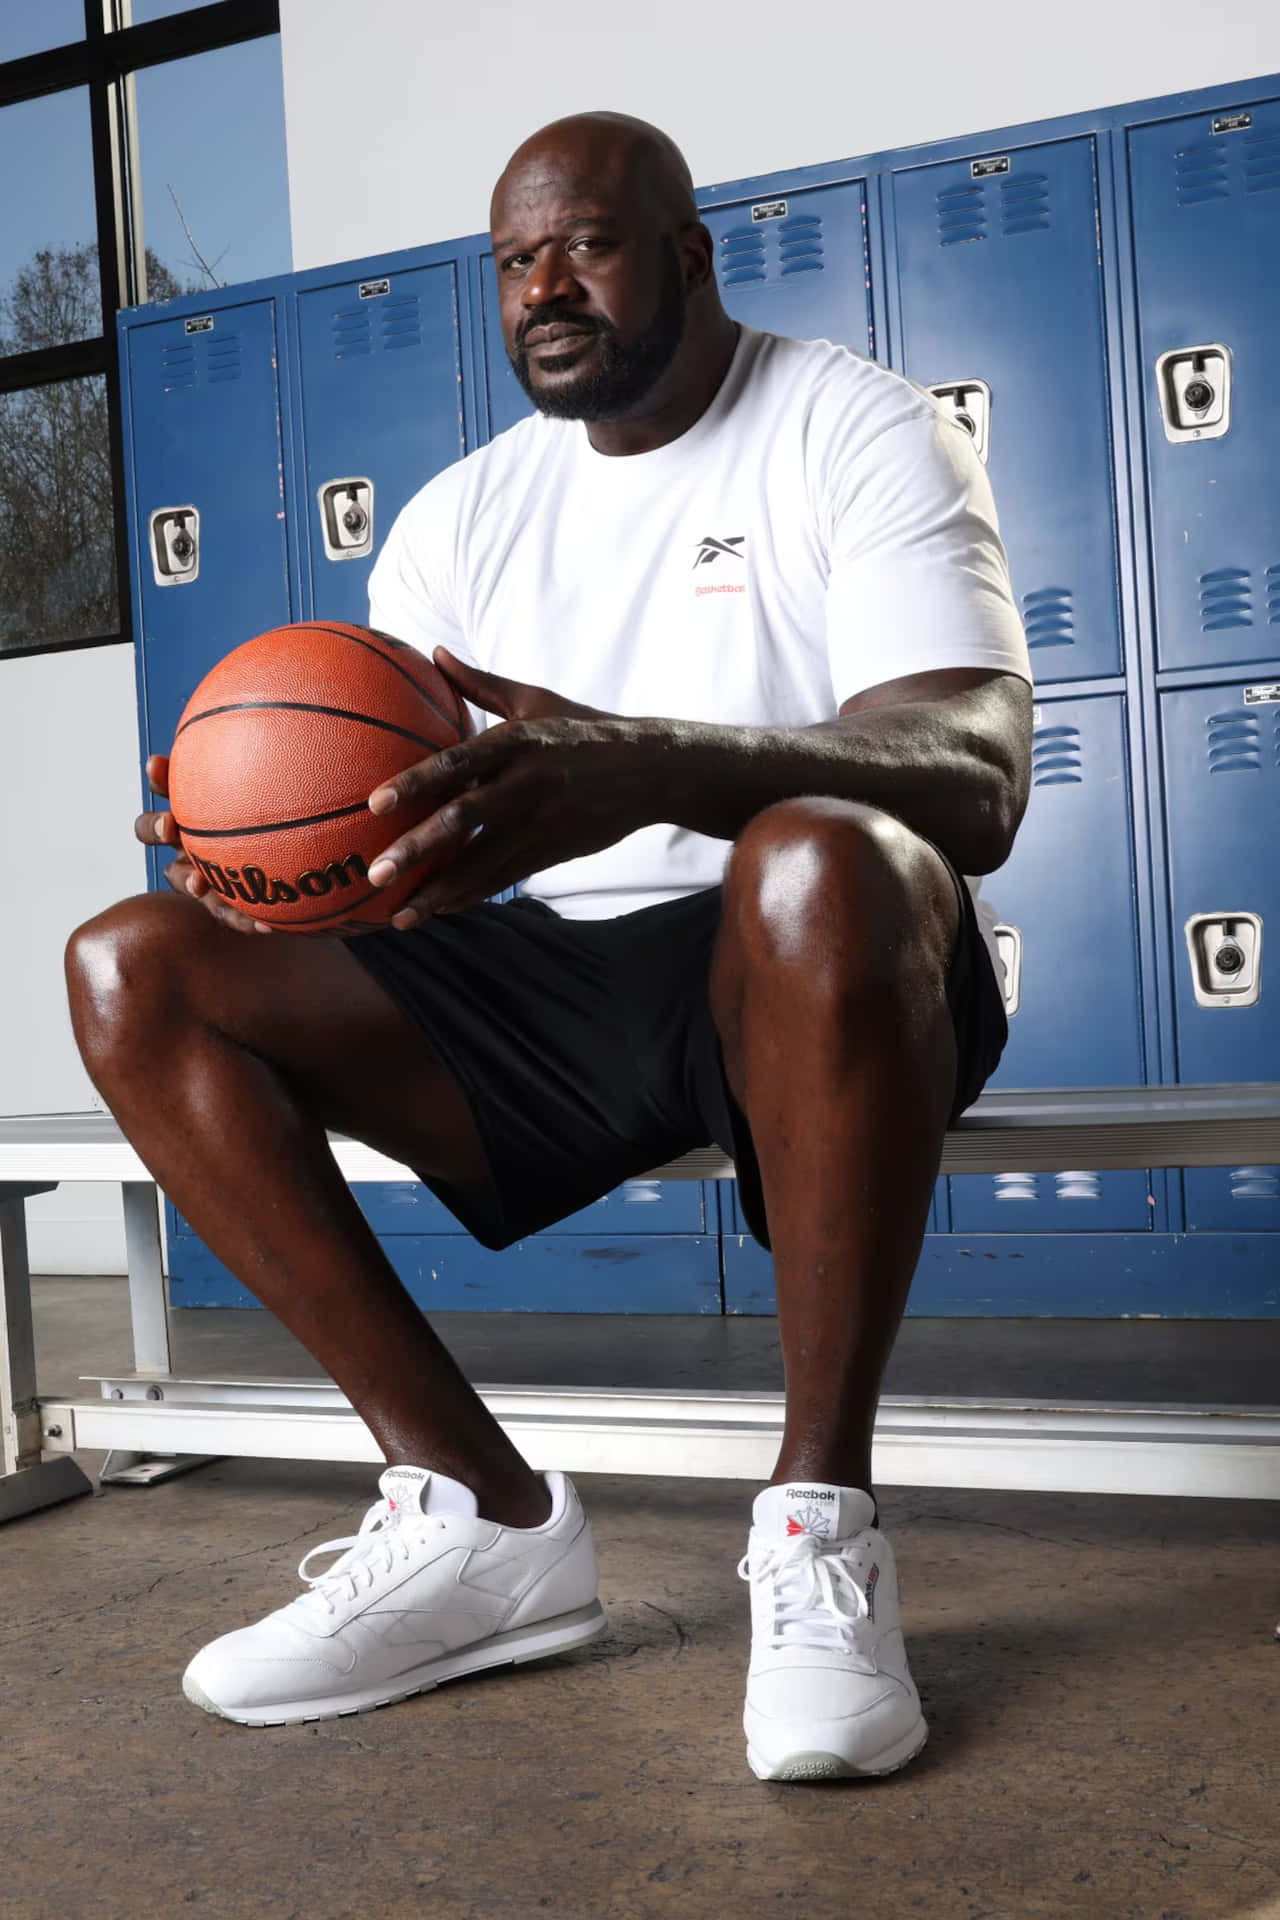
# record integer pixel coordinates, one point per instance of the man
(794, 553)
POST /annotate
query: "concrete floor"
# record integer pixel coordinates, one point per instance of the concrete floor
(1100, 1676)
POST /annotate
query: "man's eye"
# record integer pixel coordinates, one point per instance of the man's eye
(514, 261)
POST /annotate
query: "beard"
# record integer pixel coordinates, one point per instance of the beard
(623, 374)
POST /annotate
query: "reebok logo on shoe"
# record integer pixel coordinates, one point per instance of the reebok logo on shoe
(814, 1512)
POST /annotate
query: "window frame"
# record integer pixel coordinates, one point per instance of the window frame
(105, 62)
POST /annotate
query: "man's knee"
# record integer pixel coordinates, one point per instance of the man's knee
(818, 873)
(125, 965)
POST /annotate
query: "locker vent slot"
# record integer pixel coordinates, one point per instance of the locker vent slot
(401, 320)
(1202, 173)
(772, 252)
(1016, 1186)
(1255, 1183)
(178, 366)
(742, 257)
(1055, 757)
(1078, 1186)
(1262, 162)
(221, 354)
(1024, 203)
(200, 360)
(1046, 614)
(962, 215)
(1273, 596)
(1233, 742)
(1226, 599)
(351, 332)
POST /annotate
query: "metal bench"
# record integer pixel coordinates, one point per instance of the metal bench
(154, 1422)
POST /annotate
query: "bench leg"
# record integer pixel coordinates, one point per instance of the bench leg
(148, 1298)
(27, 1482)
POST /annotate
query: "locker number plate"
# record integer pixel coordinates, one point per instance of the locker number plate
(1264, 695)
(769, 210)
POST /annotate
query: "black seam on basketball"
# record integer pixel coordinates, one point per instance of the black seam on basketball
(271, 826)
(339, 913)
(309, 706)
(386, 659)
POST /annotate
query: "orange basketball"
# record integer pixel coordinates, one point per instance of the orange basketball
(276, 754)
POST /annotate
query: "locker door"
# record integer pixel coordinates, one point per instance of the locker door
(382, 412)
(1069, 888)
(1221, 753)
(204, 400)
(797, 263)
(1000, 282)
(1206, 211)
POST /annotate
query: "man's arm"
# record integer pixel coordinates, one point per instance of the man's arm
(948, 753)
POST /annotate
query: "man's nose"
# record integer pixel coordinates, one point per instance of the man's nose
(552, 278)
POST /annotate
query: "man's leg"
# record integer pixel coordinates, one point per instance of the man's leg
(225, 1059)
(829, 993)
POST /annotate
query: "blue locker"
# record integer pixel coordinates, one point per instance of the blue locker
(381, 408)
(1069, 888)
(1206, 211)
(1000, 282)
(203, 392)
(796, 263)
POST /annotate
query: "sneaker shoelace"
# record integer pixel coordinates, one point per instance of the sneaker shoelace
(384, 1538)
(817, 1601)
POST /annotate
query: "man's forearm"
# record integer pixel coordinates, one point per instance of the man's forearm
(950, 781)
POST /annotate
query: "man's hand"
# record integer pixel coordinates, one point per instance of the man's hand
(159, 830)
(553, 782)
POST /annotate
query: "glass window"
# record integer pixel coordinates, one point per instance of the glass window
(57, 553)
(38, 25)
(215, 189)
(48, 261)
(157, 9)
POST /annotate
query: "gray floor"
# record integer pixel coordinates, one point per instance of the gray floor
(1100, 1677)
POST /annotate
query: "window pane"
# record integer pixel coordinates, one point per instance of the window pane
(57, 558)
(157, 9)
(48, 260)
(39, 25)
(211, 143)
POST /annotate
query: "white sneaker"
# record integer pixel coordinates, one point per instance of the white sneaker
(829, 1693)
(424, 1592)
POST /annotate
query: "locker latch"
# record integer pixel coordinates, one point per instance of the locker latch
(1009, 947)
(1226, 958)
(175, 545)
(346, 518)
(1194, 384)
(969, 404)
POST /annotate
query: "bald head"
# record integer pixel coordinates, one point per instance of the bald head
(639, 166)
(610, 308)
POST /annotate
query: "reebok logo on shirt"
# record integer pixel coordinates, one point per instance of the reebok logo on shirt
(709, 551)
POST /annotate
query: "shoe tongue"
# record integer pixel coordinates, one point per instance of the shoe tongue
(812, 1506)
(415, 1490)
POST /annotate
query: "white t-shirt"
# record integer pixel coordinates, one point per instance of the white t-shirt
(823, 527)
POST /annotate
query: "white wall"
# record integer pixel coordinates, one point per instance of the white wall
(401, 113)
(69, 792)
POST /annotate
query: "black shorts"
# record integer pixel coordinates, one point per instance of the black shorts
(587, 1051)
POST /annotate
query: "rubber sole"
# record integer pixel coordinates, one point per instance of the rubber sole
(512, 1649)
(818, 1765)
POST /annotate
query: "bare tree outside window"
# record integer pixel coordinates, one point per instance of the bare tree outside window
(57, 558)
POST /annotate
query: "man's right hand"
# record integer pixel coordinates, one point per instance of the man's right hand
(158, 830)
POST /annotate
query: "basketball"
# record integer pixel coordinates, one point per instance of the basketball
(274, 759)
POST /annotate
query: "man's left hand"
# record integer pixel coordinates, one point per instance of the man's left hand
(552, 782)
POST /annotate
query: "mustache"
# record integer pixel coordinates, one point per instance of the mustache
(553, 313)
